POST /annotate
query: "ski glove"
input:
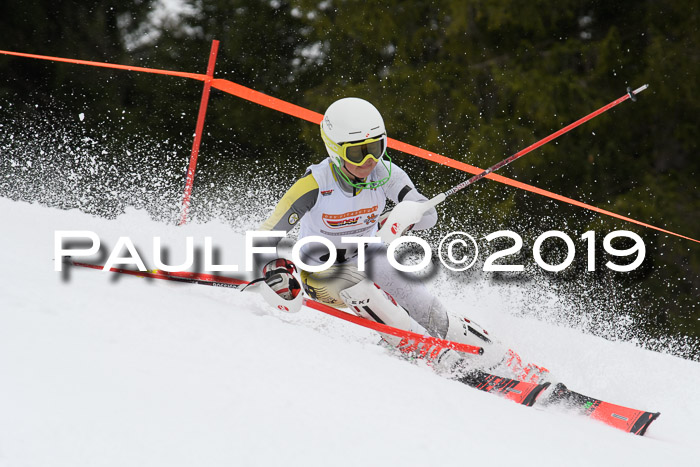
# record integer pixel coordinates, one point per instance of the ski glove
(278, 274)
(385, 216)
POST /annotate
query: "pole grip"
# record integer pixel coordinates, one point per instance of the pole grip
(434, 201)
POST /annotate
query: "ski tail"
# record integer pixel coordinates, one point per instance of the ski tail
(518, 391)
(620, 417)
(643, 422)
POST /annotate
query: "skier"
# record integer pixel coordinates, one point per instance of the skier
(344, 196)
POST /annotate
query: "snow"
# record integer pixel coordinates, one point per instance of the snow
(109, 370)
(164, 16)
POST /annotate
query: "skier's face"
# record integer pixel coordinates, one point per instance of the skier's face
(361, 171)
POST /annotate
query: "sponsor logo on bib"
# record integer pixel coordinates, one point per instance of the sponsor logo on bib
(347, 219)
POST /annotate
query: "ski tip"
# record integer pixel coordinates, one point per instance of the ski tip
(643, 423)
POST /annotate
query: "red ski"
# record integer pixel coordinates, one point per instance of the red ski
(518, 391)
(624, 418)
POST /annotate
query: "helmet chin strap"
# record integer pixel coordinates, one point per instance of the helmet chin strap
(356, 179)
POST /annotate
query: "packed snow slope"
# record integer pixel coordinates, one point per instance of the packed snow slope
(101, 369)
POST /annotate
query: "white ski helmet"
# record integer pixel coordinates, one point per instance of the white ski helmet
(353, 131)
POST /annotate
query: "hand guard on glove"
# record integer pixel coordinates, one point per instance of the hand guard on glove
(278, 274)
(278, 286)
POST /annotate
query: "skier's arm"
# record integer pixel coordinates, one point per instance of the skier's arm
(298, 200)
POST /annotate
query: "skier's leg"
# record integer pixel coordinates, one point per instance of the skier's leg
(430, 313)
(410, 292)
(343, 285)
(369, 301)
(421, 312)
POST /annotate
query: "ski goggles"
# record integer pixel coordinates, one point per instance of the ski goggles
(357, 153)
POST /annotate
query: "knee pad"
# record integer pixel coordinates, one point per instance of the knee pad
(325, 286)
(368, 300)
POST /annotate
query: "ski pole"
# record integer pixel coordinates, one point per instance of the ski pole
(188, 277)
(630, 95)
(402, 217)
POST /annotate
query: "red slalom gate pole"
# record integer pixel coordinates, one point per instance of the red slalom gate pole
(198, 131)
(231, 283)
